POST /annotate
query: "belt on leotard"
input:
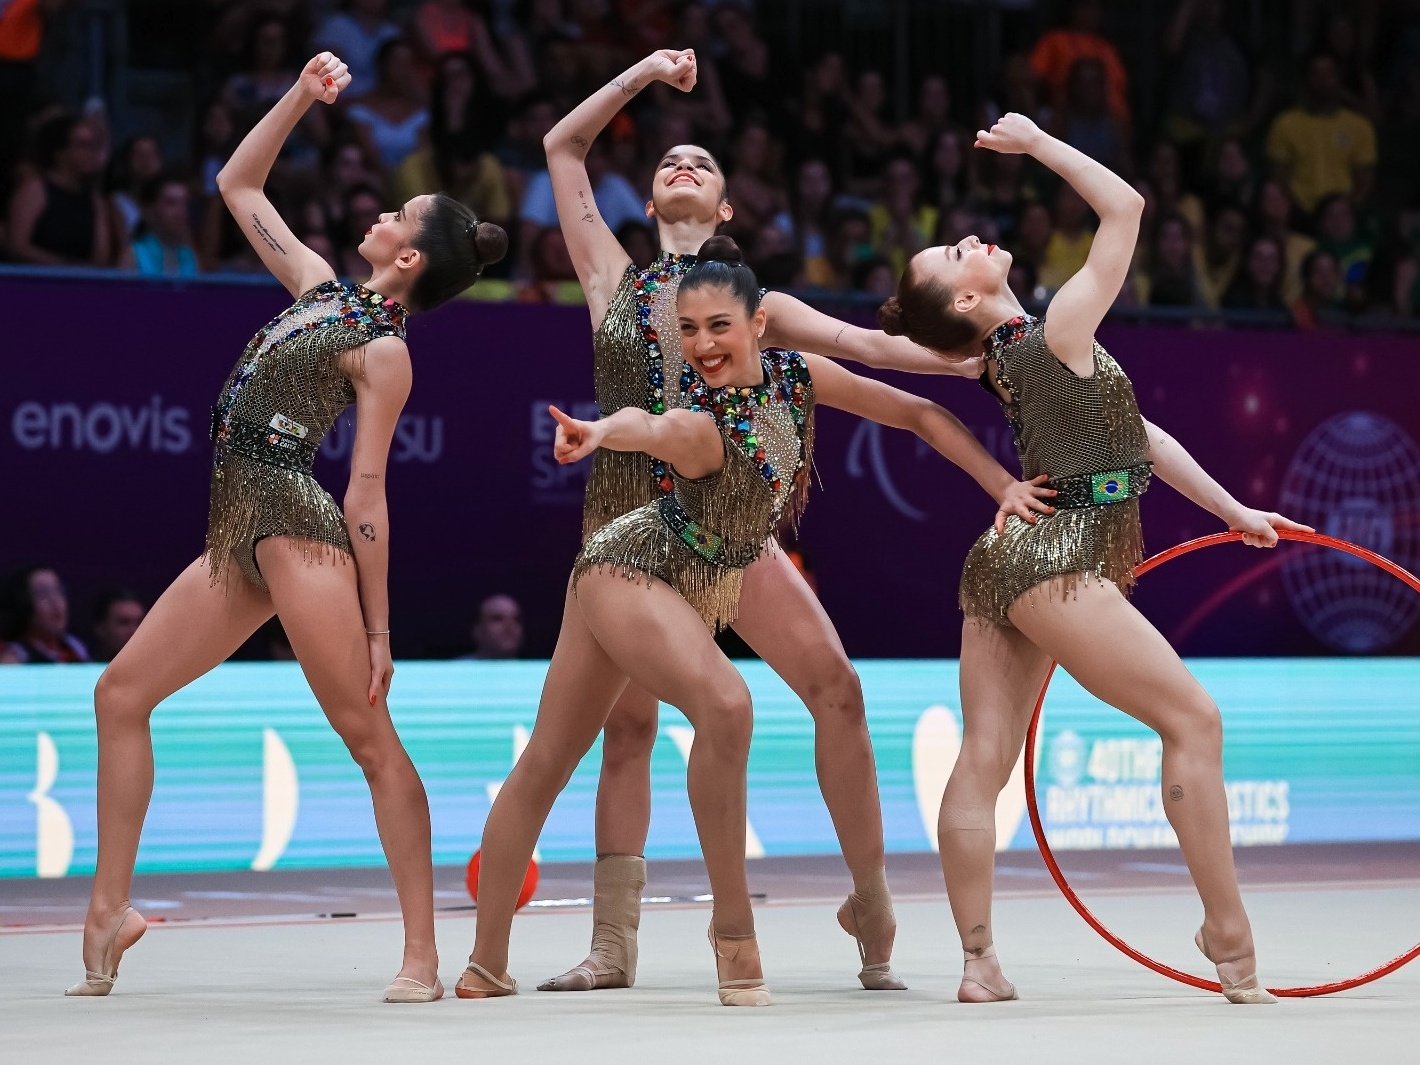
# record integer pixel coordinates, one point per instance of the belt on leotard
(708, 545)
(1101, 489)
(273, 444)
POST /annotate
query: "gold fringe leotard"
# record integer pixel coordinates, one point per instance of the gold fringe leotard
(1088, 435)
(700, 536)
(280, 400)
(636, 350)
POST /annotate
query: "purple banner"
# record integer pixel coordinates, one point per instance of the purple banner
(104, 452)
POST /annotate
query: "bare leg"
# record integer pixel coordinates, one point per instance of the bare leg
(319, 606)
(582, 684)
(1001, 675)
(783, 621)
(659, 641)
(191, 629)
(1115, 654)
(624, 789)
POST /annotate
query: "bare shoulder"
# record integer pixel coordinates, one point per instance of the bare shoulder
(382, 364)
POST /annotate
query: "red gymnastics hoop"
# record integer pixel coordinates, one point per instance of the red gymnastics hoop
(1046, 853)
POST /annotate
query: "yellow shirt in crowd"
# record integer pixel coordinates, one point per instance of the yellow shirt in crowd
(1321, 151)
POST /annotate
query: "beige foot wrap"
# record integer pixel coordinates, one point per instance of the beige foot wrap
(617, 882)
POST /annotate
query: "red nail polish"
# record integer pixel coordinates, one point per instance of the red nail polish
(372, 700)
(329, 81)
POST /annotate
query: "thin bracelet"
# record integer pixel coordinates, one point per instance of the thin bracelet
(377, 632)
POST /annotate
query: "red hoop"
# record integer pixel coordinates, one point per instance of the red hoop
(1385, 564)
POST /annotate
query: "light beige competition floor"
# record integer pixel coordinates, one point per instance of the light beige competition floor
(293, 989)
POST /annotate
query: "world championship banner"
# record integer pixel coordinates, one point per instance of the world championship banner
(105, 399)
(250, 776)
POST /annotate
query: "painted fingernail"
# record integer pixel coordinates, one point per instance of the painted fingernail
(329, 81)
(372, 700)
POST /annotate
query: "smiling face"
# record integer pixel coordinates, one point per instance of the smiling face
(719, 338)
(688, 187)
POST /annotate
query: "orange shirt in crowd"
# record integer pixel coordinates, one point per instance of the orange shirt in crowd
(1057, 52)
(21, 30)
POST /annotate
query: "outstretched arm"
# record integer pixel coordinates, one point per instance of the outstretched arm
(243, 179)
(838, 387)
(689, 441)
(1181, 470)
(381, 378)
(793, 324)
(596, 253)
(1078, 308)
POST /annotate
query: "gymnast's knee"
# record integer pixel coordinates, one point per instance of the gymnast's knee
(835, 694)
(628, 738)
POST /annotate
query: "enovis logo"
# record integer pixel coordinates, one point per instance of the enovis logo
(102, 427)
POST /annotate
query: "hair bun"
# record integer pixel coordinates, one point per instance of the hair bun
(490, 242)
(890, 318)
(722, 249)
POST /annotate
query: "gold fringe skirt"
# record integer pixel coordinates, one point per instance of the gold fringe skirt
(639, 546)
(1100, 543)
(620, 482)
(252, 500)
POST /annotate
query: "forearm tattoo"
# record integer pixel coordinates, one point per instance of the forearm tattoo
(369, 476)
(367, 531)
(628, 88)
(587, 213)
(581, 142)
(265, 234)
(1176, 792)
(839, 333)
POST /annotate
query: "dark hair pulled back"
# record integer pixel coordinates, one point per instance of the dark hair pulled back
(456, 246)
(922, 312)
(721, 264)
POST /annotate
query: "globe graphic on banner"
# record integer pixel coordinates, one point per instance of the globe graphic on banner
(1356, 477)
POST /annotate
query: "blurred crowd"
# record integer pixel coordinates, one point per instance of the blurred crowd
(1279, 180)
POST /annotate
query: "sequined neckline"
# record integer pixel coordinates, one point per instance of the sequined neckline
(648, 282)
(733, 405)
(1007, 333)
(385, 304)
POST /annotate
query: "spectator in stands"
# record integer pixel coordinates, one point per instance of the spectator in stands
(1001, 189)
(1070, 239)
(1258, 285)
(58, 217)
(34, 618)
(820, 113)
(347, 165)
(869, 137)
(551, 276)
(214, 141)
(930, 119)
(1320, 147)
(747, 77)
(1056, 53)
(1019, 91)
(1165, 178)
(356, 33)
(1085, 121)
(759, 195)
(457, 155)
(268, 68)
(520, 152)
(1172, 280)
(1341, 39)
(774, 259)
(1275, 218)
(497, 632)
(849, 243)
(22, 25)
(706, 110)
(1322, 291)
(138, 161)
(811, 202)
(1217, 259)
(117, 612)
(445, 26)
(1228, 176)
(504, 61)
(164, 247)
(1349, 243)
(874, 276)
(1034, 228)
(946, 177)
(1211, 90)
(903, 223)
(393, 117)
